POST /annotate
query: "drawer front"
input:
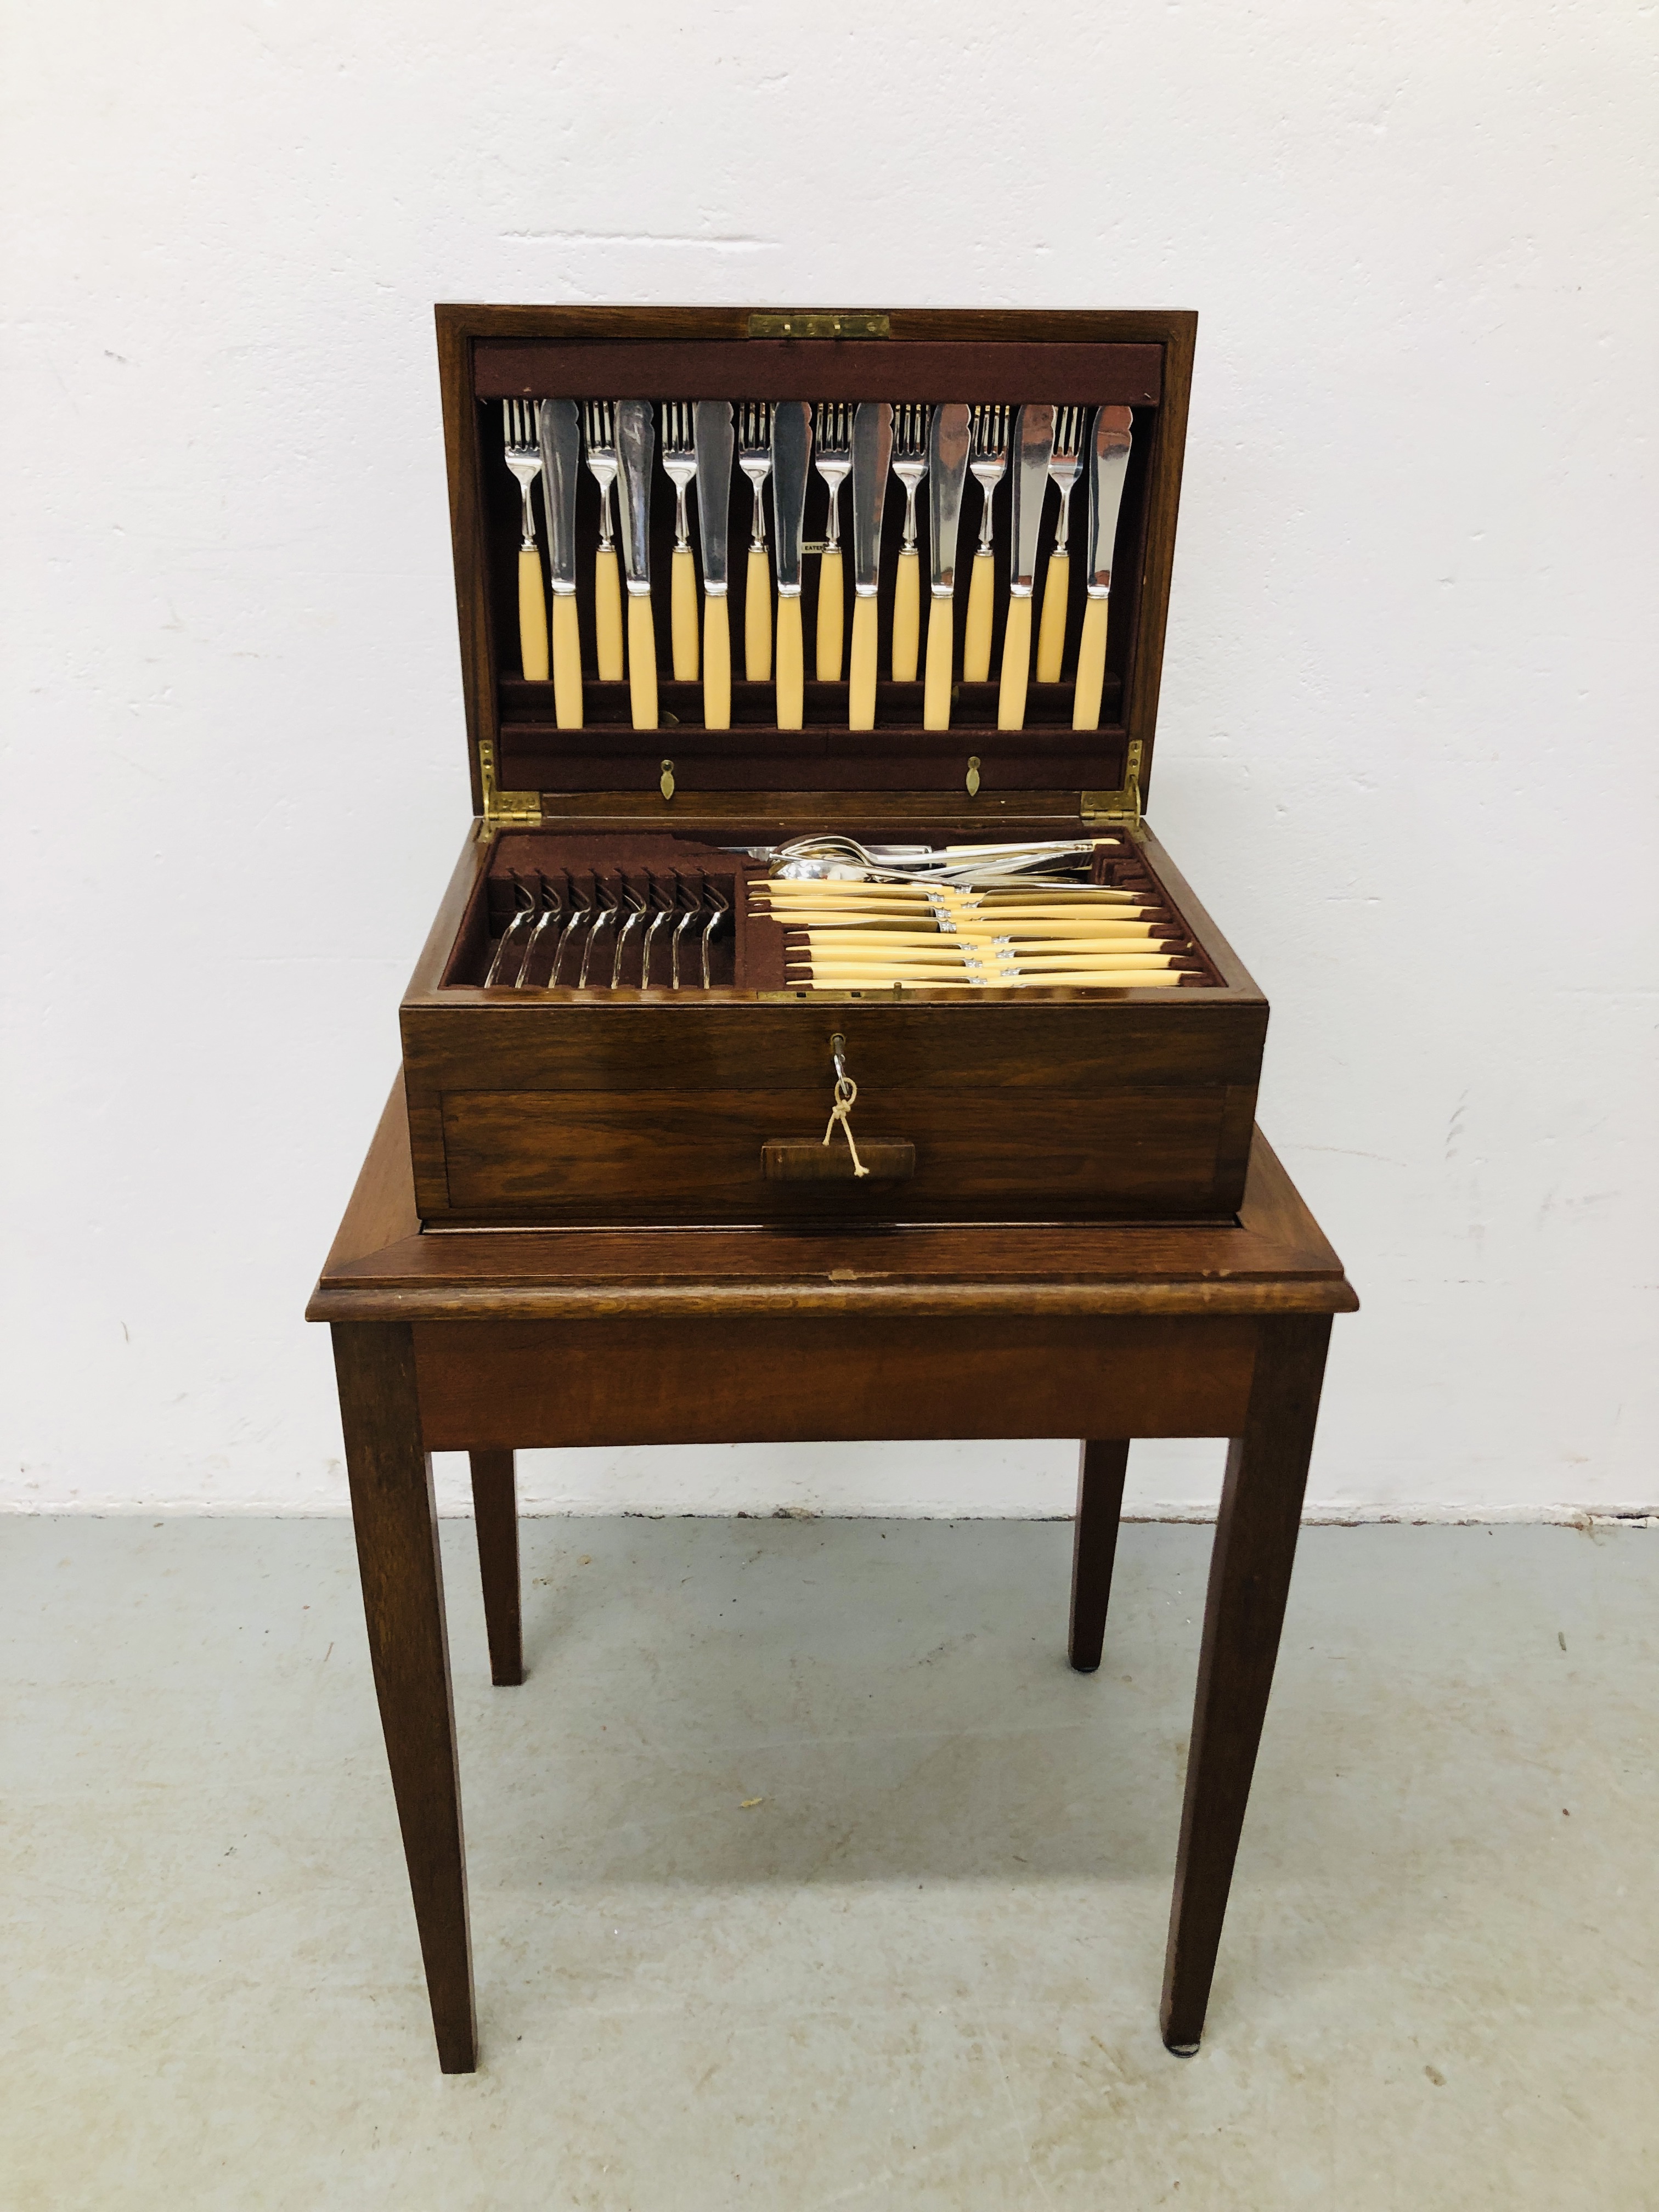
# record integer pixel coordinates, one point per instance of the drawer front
(697, 1156)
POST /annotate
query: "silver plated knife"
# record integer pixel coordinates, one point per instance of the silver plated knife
(1107, 464)
(792, 451)
(712, 438)
(637, 446)
(948, 441)
(1034, 446)
(559, 433)
(872, 457)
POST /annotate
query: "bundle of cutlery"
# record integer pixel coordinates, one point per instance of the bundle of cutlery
(609, 928)
(830, 912)
(782, 444)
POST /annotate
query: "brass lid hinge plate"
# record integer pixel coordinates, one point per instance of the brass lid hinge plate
(503, 810)
(1120, 807)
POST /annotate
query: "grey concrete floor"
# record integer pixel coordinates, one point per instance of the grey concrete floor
(804, 1874)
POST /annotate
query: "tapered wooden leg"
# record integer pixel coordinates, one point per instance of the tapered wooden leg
(397, 1525)
(1250, 1580)
(1101, 1468)
(496, 1511)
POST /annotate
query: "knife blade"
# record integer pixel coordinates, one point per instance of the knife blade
(559, 433)
(1034, 446)
(949, 438)
(637, 446)
(714, 443)
(792, 451)
(1109, 444)
(872, 457)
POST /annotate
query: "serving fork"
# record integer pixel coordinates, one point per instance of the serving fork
(754, 460)
(523, 456)
(1064, 467)
(989, 465)
(599, 423)
(679, 462)
(910, 467)
(832, 440)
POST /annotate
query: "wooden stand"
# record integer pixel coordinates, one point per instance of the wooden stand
(483, 1341)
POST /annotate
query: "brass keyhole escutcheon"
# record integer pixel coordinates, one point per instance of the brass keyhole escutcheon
(665, 781)
(973, 776)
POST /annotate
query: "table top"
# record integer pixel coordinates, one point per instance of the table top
(383, 1267)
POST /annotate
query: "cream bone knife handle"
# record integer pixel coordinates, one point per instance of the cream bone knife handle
(566, 660)
(1016, 663)
(607, 614)
(907, 615)
(533, 615)
(977, 638)
(941, 646)
(682, 613)
(641, 658)
(1051, 629)
(758, 616)
(861, 668)
(792, 663)
(1091, 663)
(832, 616)
(716, 661)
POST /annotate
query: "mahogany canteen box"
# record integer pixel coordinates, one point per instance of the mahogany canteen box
(749, 578)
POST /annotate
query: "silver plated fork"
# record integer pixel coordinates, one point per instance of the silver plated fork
(1064, 467)
(599, 430)
(909, 466)
(636, 905)
(679, 461)
(666, 900)
(754, 460)
(575, 921)
(604, 915)
(989, 465)
(720, 907)
(521, 449)
(552, 911)
(524, 906)
(832, 457)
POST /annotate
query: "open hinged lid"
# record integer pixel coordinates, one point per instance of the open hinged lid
(525, 768)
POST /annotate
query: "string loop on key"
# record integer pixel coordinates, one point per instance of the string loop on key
(846, 1092)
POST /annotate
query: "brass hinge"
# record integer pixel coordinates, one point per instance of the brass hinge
(503, 810)
(859, 324)
(1122, 807)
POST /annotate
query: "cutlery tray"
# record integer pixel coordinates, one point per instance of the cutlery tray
(616, 1092)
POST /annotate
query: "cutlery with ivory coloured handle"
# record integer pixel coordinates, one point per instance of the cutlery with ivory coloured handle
(1108, 464)
(636, 440)
(872, 455)
(1034, 442)
(560, 437)
(714, 443)
(523, 457)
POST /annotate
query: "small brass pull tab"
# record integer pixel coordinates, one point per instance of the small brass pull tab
(847, 1093)
(973, 776)
(665, 781)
